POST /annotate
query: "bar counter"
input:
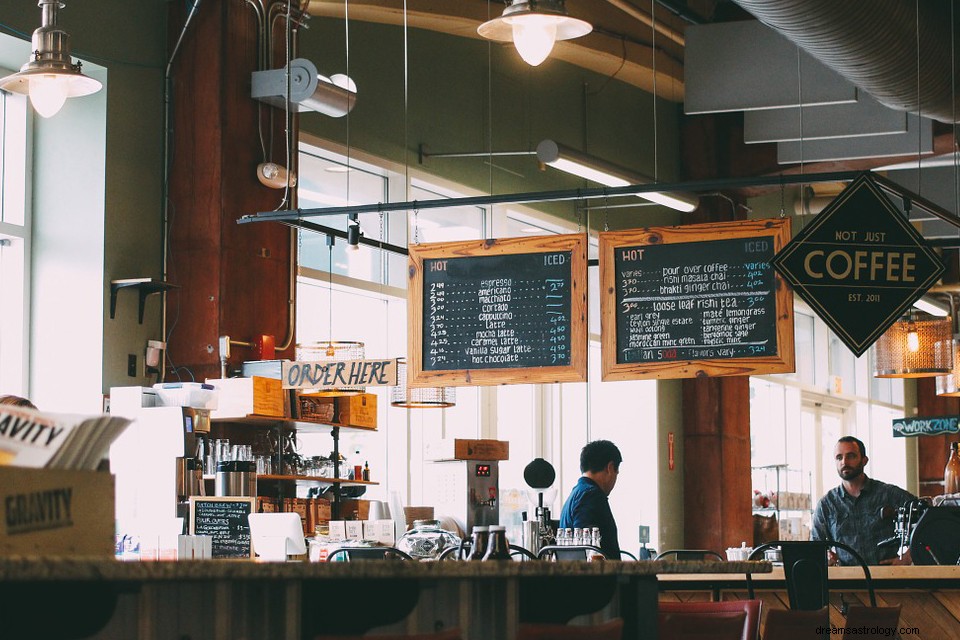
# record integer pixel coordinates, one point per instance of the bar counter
(221, 599)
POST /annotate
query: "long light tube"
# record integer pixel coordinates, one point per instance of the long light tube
(533, 26)
(565, 159)
(50, 76)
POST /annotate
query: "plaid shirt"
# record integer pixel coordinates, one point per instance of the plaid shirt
(856, 521)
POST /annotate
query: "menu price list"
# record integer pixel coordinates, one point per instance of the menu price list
(226, 522)
(493, 312)
(696, 301)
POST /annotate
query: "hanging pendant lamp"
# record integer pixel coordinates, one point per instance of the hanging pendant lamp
(949, 385)
(50, 76)
(331, 351)
(534, 26)
(913, 348)
(419, 397)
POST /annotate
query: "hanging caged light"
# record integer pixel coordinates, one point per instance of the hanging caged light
(332, 351)
(913, 348)
(419, 397)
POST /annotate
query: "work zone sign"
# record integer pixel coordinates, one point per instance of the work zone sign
(860, 264)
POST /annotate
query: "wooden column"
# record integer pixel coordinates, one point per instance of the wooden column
(234, 279)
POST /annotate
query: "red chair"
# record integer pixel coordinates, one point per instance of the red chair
(612, 630)
(449, 634)
(797, 624)
(726, 620)
(879, 619)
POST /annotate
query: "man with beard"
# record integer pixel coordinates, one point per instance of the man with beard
(850, 513)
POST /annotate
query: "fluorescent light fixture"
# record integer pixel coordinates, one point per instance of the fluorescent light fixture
(933, 307)
(309, 91)
(50, 76)
(534, 26)
(596, 170)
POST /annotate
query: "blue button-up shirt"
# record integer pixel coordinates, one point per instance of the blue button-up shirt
(588, 506)
(856, 521)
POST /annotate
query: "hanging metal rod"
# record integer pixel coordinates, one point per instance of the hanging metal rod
(602, 192)
(337, 233)
(423, 153)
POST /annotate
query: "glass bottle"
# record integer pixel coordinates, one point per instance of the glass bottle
(478, 545)
(497, 548)
(951, 474)
(366, 471)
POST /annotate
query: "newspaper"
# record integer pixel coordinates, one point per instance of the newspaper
(30, 438)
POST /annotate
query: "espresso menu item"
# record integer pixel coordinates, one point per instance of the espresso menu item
(498, 311)
(225, 520)
(695, 301)
(492, 312)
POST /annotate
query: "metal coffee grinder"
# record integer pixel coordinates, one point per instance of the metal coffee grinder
(538, 532)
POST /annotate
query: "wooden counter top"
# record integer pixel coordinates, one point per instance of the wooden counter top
(878, 573)
(27, 568)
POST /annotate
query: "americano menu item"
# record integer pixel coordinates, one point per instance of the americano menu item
(695, 300)
(498, 311)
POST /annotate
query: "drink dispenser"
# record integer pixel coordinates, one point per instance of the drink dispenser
(466, 490)
(538, 531)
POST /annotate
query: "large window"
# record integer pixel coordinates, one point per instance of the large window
(14, 244)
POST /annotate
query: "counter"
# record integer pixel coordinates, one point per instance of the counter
(221, 599)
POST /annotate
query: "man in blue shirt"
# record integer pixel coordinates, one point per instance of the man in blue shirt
(588, 506)
(850, 513)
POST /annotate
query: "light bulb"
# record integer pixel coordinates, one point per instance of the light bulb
(48, 93)
(534, 35)
(913, 341)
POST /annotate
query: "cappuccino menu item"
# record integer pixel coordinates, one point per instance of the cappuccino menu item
(515, 306)
(685, 301)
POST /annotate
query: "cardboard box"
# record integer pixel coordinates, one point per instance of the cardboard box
(459, 449)
(55, 512)
(358, 411)
(240, 397)
(350, 505)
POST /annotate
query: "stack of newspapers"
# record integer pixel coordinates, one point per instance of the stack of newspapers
(31, 438)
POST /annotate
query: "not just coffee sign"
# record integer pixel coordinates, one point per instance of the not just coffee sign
(860, 264)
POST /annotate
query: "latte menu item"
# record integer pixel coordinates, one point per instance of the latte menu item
(498, 311)
(695, 300)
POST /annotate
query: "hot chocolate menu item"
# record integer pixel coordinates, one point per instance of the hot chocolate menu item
(695, 300)
(499, 311)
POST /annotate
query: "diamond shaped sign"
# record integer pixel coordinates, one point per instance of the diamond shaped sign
(860, 264)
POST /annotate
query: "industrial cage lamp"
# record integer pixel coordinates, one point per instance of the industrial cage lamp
(332, 351)
(914, 348)
(50, 76)
(419, 397)
(534, 26)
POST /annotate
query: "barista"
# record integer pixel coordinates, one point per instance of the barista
(588, 504)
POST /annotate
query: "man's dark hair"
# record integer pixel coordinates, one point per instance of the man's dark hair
(17, 401)
(858, 442)
(596, 455)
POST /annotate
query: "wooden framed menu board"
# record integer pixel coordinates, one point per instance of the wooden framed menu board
(695, 300)
(484, 312)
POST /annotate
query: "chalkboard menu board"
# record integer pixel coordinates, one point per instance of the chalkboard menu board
(225, 520)
(695, 300)
(498, 311)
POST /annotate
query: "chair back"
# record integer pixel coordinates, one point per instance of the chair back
(449, 634)
(352, 554)
(691, 555)
(569, 552)
(724, 620)
(792, 624)
(612, 630)
(877, 619)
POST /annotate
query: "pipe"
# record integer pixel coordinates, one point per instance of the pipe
(880, 48)
(645, 18)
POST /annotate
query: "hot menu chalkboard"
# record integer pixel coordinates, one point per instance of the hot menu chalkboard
(225, 520)
(685, 300)
(490, 312)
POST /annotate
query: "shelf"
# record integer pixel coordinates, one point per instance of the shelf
(302, 426)
(317, 480)
(145, 286)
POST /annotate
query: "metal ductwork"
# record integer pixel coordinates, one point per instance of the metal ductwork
(875, 46)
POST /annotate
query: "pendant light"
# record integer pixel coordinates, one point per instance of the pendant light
(419, 397)
(533, 26)
(949, 385)
(913, 348)
(332, 351)
(50, 76)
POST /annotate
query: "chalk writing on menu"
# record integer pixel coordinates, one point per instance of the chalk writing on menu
(492, 312)
(696, 301)
(226, 522)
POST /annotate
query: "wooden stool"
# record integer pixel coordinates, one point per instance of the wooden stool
(612, 630)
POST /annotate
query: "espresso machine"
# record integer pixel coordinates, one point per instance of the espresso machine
(539, 532)
(466, 490)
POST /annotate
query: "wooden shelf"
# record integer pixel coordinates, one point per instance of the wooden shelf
(302, 426)
(317, 479)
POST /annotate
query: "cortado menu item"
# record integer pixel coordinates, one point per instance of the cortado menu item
(225, 520)
(695, 300)
(498, 311)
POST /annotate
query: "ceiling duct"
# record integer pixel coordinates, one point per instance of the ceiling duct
(874, 48)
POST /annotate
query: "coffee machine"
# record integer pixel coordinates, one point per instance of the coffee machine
(466, 490)
(539, 531)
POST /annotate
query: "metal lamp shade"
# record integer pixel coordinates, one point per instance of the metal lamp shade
(419, 397)
(332, 351)
(927, 352)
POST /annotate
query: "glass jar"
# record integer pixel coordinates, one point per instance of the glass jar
(426, 540)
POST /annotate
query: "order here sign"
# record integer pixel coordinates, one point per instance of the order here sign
(339, 373)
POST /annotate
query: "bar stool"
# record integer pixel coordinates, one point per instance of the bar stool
(569, 552)
(353, 554)
(449, 634)
(612, 630)
(725, 620)
(796, 624)
(689, 555)
(877, 619)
